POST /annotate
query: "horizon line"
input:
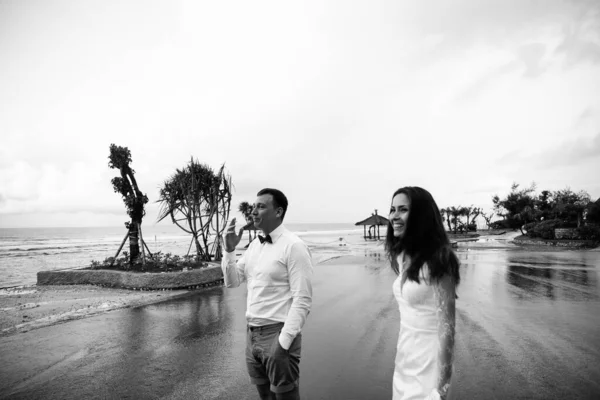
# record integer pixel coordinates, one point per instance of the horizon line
(121, 226)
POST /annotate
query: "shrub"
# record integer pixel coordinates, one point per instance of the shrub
(567, 224)
(158, 262)
(593, 212)
(545, 229)
(589, 232)
(529, 229)
(500, 224)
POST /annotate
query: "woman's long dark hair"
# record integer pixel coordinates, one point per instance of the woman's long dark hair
(424, 240)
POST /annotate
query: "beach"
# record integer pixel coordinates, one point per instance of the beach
(26, 251)
(527, 328)
(25, 306)
(30, 307)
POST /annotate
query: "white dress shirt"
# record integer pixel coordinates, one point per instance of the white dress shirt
(279, 279)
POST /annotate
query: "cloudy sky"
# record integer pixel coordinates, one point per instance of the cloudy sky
(337, 103)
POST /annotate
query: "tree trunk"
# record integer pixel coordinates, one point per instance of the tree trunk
(218, 237)
(134, 243)
(197, 244)
(138, 213)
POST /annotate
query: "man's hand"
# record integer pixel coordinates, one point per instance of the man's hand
(231, 238)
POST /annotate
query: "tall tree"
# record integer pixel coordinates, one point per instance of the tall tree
(526, 215)
(568, 205)
(246, 209)
(593, 212)
(198, 200)
(517, 206)
(468, 212)
(471, 213)
(134, 199)
(488, 218)
(543, 204)
(497, 207)
(455, 213)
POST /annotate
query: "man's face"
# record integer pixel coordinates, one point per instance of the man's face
(264, 214)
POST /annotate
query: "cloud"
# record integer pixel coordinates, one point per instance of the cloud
(543, 33)
(46, 188)
(487, 81)
(581, 35)
(20, 182)
(531, 56)
(553, 165)
(571, 153)
(318, 100)
(567, 153)
(66, 208)
(586, 115)
(578, 50)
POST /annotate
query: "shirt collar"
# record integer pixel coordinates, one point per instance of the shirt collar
(277, 232)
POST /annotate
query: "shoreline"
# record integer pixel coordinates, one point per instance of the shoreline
(29, 307)
(25, 308)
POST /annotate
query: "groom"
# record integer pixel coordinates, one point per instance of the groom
(278, 270)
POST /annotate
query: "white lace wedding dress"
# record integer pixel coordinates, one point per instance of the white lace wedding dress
(417, 368)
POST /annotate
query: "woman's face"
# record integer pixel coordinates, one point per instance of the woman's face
(399, 214)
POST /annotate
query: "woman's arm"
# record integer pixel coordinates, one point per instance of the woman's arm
(445, 295)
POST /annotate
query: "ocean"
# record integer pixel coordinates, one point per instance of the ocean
(26, 251)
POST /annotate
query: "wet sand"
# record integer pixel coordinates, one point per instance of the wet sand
(30, 307)
(528, 327)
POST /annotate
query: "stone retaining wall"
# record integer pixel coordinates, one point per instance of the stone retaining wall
(566, 233)
(133, 280)
(576, 244)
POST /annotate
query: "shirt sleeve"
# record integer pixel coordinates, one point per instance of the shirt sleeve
(445, 295)
(233, 273)
(300, 272)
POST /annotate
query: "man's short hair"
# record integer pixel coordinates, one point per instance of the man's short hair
(279, 199)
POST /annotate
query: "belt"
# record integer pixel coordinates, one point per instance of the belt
(264, 327)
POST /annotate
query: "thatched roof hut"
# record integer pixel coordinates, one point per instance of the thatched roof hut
(374, 222)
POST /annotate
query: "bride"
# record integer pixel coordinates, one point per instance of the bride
(427, 270)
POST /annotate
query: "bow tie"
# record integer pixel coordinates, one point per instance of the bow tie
(265, 239)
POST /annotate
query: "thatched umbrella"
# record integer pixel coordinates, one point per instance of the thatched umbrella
(374, 222)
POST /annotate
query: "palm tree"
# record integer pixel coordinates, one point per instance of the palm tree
(455, 213)
(198, 200)
(246, 209)
(471, 212)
